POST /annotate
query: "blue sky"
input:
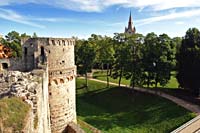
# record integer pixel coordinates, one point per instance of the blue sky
(81, 18)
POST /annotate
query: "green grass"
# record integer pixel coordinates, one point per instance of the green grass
(117, 110)
(101, 75)
(13, 112)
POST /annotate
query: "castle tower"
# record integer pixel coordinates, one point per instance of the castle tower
(130, 30)
(56, 55)
(62, 71)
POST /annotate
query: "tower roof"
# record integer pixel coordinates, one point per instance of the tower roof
(130, 22)
(130, 18)
(130, 29)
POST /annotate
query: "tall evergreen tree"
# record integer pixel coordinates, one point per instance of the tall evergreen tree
(188, 61)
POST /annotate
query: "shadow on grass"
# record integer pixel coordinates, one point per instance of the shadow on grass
(182, 94)
(116, 107)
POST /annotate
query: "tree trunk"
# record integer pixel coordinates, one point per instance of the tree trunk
(107, 75)
(156, 80)
(132, 82)
(120, 76)
(148, 80)
(156, 84)
(102, 67)
(86, 80)
(110, 72)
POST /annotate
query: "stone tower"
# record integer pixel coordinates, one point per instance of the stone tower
(62, 73)
(130, 30)
(56, 56)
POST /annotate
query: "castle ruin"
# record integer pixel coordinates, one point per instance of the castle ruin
(55, 57)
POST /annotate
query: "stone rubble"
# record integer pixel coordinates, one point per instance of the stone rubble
(20, 84)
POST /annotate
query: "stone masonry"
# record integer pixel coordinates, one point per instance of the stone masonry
(55, 57)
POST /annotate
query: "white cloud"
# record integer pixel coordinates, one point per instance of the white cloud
(179, 23)
(99, 5)
(15, 17)
(32, 18)
(171, 16)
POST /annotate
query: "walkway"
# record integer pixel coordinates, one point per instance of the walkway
(191, 126)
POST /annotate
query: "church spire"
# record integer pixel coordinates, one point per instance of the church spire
(131, 28)
(130, 22)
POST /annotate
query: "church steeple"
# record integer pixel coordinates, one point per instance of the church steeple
(130, 23)
(130, 29)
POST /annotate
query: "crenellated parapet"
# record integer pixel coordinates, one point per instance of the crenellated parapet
(61, 42)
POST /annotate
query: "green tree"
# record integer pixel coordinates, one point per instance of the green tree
(13, 40)
(106, 54)
(188, 60)
(24, 35)
(159, 59)
(85, 56)
(166, 61)
(149, 57)
(34, 35)
(133, 69)
(121, 57)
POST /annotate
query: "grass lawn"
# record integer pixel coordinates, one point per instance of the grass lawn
(117, 110)
(13, 112)
(101, 75)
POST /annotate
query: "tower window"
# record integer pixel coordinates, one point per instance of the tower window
(25, 51)
(5, 65)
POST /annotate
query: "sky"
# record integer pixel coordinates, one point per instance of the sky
(81, 18)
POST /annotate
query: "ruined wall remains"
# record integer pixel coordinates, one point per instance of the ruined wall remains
(73, 128)
(55, 104)
(12, 64)
(43, 114)
(28, 87)
(57, 54)
(29, 46)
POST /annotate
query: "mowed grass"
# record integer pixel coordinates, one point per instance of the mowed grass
(101, 75)
(13, 112)
(118, 110)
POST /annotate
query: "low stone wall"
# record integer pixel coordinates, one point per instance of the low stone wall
(192, 126)
(90, 127)
(29, 128)
(14, 64)
(73, 128)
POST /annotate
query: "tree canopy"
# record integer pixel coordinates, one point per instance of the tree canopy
(188, 60)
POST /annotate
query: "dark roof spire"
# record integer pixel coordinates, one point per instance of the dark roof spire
(130, 23)
(130, 29)
(130, 18)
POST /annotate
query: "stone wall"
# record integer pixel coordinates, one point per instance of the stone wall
(14, 64)
(28, 87)
(55, 104)
(43, 113)
(29, 46)
(73, 128)
(29, 127)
